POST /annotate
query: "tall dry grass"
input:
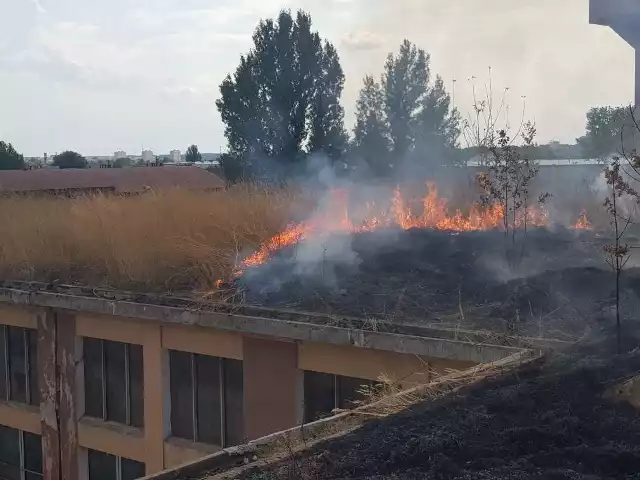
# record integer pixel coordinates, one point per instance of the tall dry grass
(166, 240)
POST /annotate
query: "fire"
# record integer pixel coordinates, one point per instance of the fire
(290, 236)
(336, 217)
(583, 222)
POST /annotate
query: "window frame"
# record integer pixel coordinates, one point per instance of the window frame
(222, 394)
(32, 396)
(24, 472)
(336, 392)
(103, 381)
(118, 463)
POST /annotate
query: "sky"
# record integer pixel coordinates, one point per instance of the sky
(98, 76)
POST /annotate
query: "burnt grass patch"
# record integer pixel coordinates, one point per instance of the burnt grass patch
(551, 422)
(558, 286)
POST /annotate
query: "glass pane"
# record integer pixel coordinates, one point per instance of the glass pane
(4, 393)
(8, 472)
(348, 390)
(233, 399)
(92, 349)
(9, 454)
(32, 453)
(34, 389)
(102, 466)
(208, 399)
(319, 395)
(116, 381)
(136, 373)
(181, 395)
(131, 469)
(17, 366)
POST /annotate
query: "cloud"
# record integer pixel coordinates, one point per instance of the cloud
(84, 58)
(38, 6)
(363, 40)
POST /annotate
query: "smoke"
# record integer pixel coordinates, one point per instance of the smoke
(345, 197)
(627, 205)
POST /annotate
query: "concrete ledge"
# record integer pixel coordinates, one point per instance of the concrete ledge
(20, 416)
(291, 330)
(112, 438)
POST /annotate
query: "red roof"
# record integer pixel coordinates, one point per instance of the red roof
(120, 180)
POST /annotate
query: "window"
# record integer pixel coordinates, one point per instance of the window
(113, 381)
(20, 455)
(18, 365)
(206, 398)
(324, 392)
(103, 466)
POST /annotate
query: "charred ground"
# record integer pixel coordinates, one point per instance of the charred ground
(551, 422)
(560, 287)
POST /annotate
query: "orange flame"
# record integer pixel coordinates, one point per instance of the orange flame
(336, 218)
(583, 222)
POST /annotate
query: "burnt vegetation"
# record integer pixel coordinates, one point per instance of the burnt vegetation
(559, 288)
(553, 422)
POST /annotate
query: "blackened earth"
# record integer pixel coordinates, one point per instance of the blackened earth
(549, 423)
(555, 283)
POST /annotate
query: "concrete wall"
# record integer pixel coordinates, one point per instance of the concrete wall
(272, 384)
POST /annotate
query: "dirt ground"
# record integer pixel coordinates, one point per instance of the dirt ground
(558, 285)
(550, 423)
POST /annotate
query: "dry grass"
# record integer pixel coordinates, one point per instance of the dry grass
(169, 240)
(389, 398)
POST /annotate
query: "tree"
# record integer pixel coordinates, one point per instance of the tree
(233, 168)
(405, 82)
(623, 182)
(9, 158)
(437, 128)
(193, 155)
(506, 183)
(70, 159)
(122, 162)
(371, 133)
(414, 114)
(327, 133)
(282, 101)
(606, 127)
(618, 253)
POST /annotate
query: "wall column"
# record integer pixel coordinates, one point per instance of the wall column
(271, 386)
(49, 405)
(57, 373)
(156, 418)
(67, 364)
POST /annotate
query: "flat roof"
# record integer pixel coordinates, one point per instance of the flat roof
(462, 345)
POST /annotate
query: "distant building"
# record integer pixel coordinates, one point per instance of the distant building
(211, 164)
(119, 154)
(210, 157)
(148, 156)
(175, 156)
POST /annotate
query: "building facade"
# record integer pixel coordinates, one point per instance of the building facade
(174, 156)
(148, 156)
(94, 388)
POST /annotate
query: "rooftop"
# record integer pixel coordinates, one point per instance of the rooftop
(295, 325)
(118, 180)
